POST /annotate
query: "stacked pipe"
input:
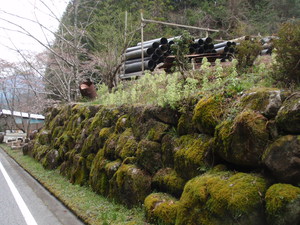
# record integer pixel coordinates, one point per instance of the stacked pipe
(155, 52)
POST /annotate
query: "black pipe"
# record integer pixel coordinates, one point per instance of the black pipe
(164, 48)
(155, 57)
(159, 52)
(200, 50)
(192, 50)
(138, 53)
(136, 60)
(223, 44)
(135, 67)
(151, 45)
(210, 46)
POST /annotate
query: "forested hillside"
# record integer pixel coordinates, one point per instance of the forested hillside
(92, 34)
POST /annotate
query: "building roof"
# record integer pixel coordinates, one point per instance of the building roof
(21, 114)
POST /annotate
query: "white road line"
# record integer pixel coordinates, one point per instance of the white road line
(23, 207)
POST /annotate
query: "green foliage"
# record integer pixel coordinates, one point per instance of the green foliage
(287, 68)
(248, 50)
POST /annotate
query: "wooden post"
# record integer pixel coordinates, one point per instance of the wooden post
(142, 41)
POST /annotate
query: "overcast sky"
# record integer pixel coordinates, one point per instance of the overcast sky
(12, 25)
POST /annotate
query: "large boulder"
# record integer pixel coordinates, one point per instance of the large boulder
(283, 204)
(288, 117)
(207, 114)
(161, 208)
(283, 158)
(191, 156)
(149, 156)
(223, 198)
(130, 185)
(167, 180)
(267, 101)
(243, 140)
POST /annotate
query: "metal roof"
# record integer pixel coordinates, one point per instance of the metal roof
(22, 114)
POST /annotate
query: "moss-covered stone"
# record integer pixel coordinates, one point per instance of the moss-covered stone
(185, 124)
(79, 171)
(130, 185)
(124, 137)
(283, 204)
(167, 148)
(89, 161)
(267, 101)
(98, 178)
(223, 198)
(149, 156)
(282, 157)
(44, 137)
(288, 117)
(122, 124)
(167, 180)
(52, 159)
(105, 117)
(157, 131)
(243, 140)
(191, 154)
(163, 114)
(161, 208)
(207, 114)
(112, 167)
(110, 146)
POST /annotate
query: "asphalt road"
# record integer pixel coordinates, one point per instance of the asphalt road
(23, 201)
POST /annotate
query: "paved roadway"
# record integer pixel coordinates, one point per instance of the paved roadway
(23, 201)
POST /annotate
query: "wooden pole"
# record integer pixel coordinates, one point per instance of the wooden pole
(142, 41)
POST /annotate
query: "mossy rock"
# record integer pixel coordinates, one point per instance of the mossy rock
(282, 157)
(243, 140)
(191, 157)
(104, 134)
(157, 130)
(40, 151)
(223, 198)
(112, 167)
(167, 180)
(163, 114)
(92, 144)
(161, 208)
(98, 178)
(57, 132)
(52, 160)
(122, 124)
(126, 137)
(44, 137)
(79, 171)
(148, 155)
(207, 114)
(105, 117)
(168, 150)
(130, 185)
(110, 146)
(89, 160)
(66, 140)
(185, 124)
(267, 101)
(288, 117)
(283, 204)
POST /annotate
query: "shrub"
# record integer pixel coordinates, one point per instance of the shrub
(287, 67)
(248, 50)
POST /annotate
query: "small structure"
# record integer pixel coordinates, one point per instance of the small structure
(16, 124)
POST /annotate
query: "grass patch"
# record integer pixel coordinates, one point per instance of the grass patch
(90, 207)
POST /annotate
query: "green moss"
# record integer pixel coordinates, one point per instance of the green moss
(167, 148)
(222, 198)
(57, 132)
(243, 140)
(52, 159)
(157, 131)
(288, 117)
(128, 149)
(207, 114)
(79, 171)
(149, 156)
(130, 185)
(44, 137)
(190, 157)
(91, 144)
(122, 124)
(124, 137)
(98, 178)
(167, 180)
(112, 167)
(110, 146)
(89, 160)
(185, 124)
(161, 208)
(283, 204)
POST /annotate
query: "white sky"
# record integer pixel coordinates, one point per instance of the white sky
(32, 10)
